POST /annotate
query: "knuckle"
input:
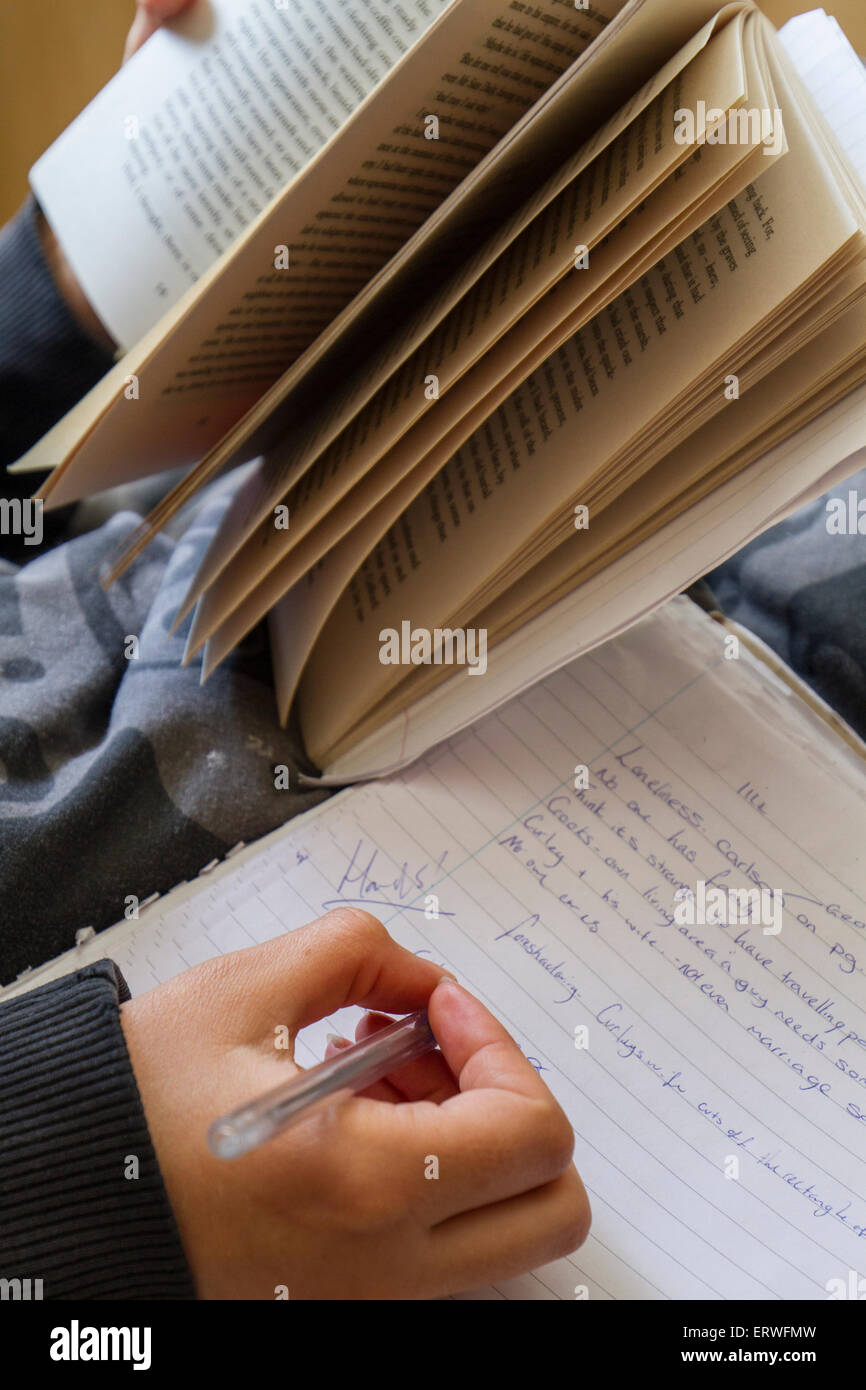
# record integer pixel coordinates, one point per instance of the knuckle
(357, 923)
(556, 1139)
(574, 1226)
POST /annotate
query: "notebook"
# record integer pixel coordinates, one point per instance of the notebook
(719, 1104)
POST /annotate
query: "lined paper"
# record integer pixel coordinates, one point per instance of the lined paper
(705, 1044)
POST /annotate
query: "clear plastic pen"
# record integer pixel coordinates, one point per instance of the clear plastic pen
(352, 1070)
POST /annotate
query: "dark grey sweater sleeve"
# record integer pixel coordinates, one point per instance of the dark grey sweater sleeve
(73, 1136)
(47, 360)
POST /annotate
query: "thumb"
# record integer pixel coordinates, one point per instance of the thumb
(148, 17)
(161, 10)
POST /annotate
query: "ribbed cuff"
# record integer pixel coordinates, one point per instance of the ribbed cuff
(72, 1136)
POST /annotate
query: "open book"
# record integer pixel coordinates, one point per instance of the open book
(494, 301)
(714, 1073)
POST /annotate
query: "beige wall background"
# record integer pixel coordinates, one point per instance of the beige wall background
(56, 54)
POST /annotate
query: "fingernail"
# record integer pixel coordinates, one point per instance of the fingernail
(334, 1040)
(447, 980)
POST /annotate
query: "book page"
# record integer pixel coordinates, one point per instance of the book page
(836, 80)
(590, 208)
(835, 77)
(314, 428)
(809, 380)
(246, 586)
(317, 245)
(351, 529)
(634, 46)
(692, 417)
(634, 365)
(712, 1073)
(298, 617)
(830, 447)
(201, 129)
(328, 558)
(814, 378)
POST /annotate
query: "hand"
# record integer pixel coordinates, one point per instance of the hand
(149, 15)
(341, 1206)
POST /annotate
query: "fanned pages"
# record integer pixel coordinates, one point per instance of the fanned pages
(524, 316)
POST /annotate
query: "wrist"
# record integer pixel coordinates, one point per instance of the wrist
(143, 1032)
(68, 287)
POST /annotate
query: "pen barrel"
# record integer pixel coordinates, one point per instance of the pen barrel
(329, 1083)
